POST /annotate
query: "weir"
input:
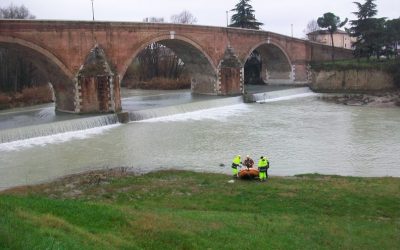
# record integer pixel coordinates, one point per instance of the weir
(27, 132)
(149, 107)
(183, 108)
(277, 95)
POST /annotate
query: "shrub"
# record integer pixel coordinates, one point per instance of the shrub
(4, 101)
(36, 95)
(28, 96)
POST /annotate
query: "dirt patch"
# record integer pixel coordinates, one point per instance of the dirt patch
(76, 185)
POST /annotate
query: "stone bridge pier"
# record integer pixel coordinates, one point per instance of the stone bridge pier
(85, 61)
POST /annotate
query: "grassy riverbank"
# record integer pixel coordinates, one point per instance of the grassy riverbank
(186, 210)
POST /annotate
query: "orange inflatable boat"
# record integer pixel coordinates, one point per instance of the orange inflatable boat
(248, 173)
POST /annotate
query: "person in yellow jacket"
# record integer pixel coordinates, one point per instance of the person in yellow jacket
(263, 165)
(235, 164)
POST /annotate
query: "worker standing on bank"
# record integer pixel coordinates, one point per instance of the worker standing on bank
(235, 164)
(263, 165)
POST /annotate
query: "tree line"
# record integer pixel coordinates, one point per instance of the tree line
(374, 36)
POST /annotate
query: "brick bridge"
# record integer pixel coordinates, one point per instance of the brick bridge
(85, 61)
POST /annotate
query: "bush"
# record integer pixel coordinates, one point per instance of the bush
(4, 101)
(36, 95)
(28, 96)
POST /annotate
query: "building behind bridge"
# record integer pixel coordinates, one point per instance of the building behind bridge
(341, 38)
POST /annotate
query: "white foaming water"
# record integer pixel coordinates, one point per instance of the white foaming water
(219, 114)
(52, 128)
(290, 97)
(54, 139)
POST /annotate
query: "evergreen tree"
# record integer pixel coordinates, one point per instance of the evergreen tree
(366, 10)
(331, 22)
(369, 31)
(244, 17)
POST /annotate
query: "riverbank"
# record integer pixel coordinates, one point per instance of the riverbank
(186, 210)
(380, 99)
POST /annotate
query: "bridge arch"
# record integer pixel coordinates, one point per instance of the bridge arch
(51, 68)
(42, 51)
(276, 65)
(197, 62)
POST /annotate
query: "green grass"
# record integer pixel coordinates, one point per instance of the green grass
(186, 210)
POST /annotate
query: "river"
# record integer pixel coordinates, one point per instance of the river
(299, 132)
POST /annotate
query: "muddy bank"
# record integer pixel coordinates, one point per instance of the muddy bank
(72, 186)
(383, 99)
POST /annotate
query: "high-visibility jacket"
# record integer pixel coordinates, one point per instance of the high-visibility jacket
(263, 163)
(236, 160)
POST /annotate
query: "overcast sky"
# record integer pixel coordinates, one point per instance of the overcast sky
(277, 15)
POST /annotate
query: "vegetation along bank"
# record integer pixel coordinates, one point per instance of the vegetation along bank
(116, 209)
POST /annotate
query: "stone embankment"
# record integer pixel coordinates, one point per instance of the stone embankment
(351, 81)
(357, 87)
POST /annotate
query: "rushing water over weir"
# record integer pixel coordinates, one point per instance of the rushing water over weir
(47, 129)
(297, 131)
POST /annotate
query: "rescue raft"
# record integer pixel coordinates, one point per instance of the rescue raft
(248, 173)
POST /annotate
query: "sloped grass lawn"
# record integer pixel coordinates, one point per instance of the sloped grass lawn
(187, 210)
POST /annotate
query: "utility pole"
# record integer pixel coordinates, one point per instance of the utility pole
(292, 28)
(92, 10)
(93, 24)
(227, 18)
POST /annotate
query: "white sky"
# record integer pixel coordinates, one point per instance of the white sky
(277, 15)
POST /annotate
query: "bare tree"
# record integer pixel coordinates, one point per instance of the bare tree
(158, 61)
(184, 17)
(153, 19)
(312, 26)
(15, 12)
(154, 61)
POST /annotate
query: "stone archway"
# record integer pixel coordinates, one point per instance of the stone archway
(52, 70)
(276, 67)
(197, 63)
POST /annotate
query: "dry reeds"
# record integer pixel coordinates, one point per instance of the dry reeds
(28, 96)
